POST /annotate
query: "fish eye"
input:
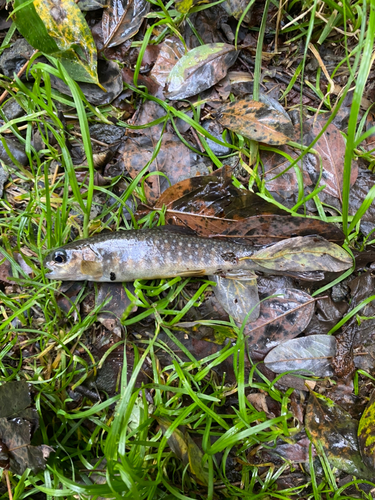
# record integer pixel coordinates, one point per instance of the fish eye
(60, 257)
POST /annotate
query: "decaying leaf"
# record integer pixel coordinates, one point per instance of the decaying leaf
(238, 297)
(236, 8)
(211, 205)
(89, 5)
(304, 254)
(256, 120)
(186, 450)
(331, 147)
(17, 419)
(184, 6)
(122, 20)
(309, 355)
(59, 28)
(366, 434)
(283, 316)
(200, 69)
(335, 431)
(171, 50)
(174, 159)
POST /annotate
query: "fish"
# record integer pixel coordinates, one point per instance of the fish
(170, 251)
(160, 252)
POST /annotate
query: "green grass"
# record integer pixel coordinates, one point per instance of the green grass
(126, 452)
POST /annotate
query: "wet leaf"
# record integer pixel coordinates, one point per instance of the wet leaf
(174, 159)
(238, 297)
(17, 419)
(171, 50)
(256, 120)
(278, 177)
(211, 205)
(110, 79)
(122, 20)
(90, 5)
(331, 146)
(59, 28)
(110, 315)
(236, 8)
(304, 254)
(16, 434)
(184, 6)
(309, 355)
(200, 69)
(281, 318)
(14, 397)
(366, 434)
(186, 450)
(335, 431)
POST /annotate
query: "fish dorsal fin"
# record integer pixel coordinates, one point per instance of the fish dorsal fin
(178, 229)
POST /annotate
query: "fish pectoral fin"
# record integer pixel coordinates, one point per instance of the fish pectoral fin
(92, 269)
(193, 272)
(239, 274)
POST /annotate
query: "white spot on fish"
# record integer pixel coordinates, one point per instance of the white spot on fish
(180, 243)
(173, 247)
(180, 253)
(196, 246)
(169, 254)
(189, 245)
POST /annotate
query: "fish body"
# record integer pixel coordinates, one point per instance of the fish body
(146, 254)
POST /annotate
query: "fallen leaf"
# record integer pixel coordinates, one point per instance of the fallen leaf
(303, 254)
(14, 397)
(186, 450)
(331, 147)
(110, 315)
(17, 419)
(309, 355)
(174, 160)
(236, 8)
(238, 297)
(171, 50)
(211, 205)
(59, 28)
(278, 176)
(366, 434)
(200, 69)
(281, 318)
(122, 20)
(255, 120)
(333, 430)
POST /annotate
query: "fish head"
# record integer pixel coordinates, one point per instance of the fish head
(73, 264)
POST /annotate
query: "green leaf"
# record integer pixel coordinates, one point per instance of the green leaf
(366, 433)
(60, 30)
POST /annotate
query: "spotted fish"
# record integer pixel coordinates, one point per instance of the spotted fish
(162, 252)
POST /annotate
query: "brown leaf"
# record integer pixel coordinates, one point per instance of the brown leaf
(211, 205)
(122, 20)
(256, 120)
(335, 431)
(174, 159)
(171, 50)
(200, 69)
(277, 176)
(281, 318)
(331, 147)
